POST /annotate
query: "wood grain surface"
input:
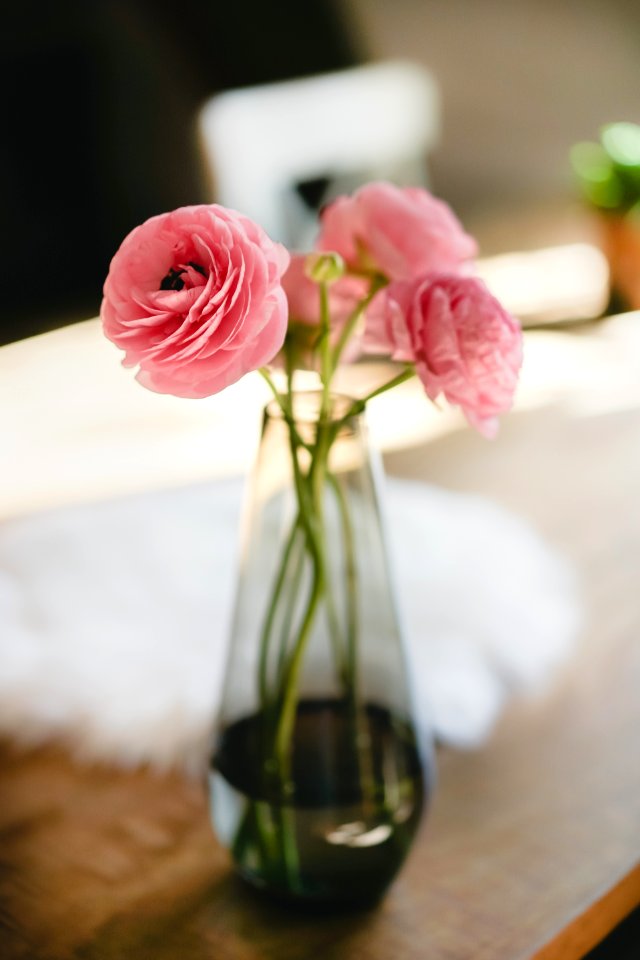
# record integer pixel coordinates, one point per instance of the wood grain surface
(532, 845)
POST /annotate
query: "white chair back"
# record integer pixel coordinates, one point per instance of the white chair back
(377, 121)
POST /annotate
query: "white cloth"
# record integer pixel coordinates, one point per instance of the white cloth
(114, 616)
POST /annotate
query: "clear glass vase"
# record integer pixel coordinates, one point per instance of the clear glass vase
(318, 777)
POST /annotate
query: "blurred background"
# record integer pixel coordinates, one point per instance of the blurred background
(102, 99)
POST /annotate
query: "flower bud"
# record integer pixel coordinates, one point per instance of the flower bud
(324, 267)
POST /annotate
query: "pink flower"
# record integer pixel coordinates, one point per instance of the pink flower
(194, 299)
(464, 343)
(400, 232)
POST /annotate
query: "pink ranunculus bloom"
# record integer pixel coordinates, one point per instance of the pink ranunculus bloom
(463, 342)
(194, 298)
(402, 233)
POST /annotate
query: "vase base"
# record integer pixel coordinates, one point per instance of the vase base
(309, 905)
(342, 835)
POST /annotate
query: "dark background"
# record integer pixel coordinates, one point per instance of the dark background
(99, 108)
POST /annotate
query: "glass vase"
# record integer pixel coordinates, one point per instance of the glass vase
(318, 776)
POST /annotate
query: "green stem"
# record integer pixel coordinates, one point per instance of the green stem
(351, 581)
(287, 620)
(265, 639)
(377, 283)
(339, 656)
(256, 826)
(360, 404)
(289, 847)
(311, 514)
(326, 360)
(282, 745)
(285, 402)
(266, 376)
(309, 488)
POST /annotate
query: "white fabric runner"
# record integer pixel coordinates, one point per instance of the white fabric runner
(114, 616)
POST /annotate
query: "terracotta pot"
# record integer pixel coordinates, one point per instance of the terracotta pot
(621, 245)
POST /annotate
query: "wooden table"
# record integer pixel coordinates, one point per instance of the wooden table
(531, 848)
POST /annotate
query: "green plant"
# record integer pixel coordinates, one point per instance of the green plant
(608, 171)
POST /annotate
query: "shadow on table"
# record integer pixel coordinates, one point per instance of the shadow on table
(226, 919)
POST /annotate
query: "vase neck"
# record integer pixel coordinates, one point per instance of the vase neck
(307, 412)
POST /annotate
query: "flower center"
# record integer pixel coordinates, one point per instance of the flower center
(173, 279)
